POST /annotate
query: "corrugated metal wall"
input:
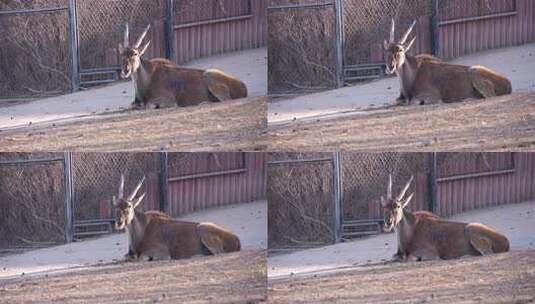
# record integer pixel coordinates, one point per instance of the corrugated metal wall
(462, 37)
(464, 194)
(203, 39)
(241, 179)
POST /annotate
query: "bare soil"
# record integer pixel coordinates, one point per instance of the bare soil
(496, 124)
(502, 278)
(230, 278)
(231, 125)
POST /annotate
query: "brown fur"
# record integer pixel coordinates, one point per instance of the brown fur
(165, 237)
(434, 80)
(170, 85)
(434, 238)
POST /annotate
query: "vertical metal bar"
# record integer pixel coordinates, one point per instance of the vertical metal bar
(338, 193)
(339, 24)
(170, 31)
(433, 183)
(164, 178)
(68, 203)
(435, 29)
(74, 47)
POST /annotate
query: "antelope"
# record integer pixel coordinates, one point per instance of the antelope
(424, 236)
(426, 78)
(154, 235)
(161, 83)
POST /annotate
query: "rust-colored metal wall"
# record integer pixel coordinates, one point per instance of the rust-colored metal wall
(505, 186)
(207, 39)
(201, 189)
(465, 36)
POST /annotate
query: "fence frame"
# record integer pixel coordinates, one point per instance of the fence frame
(437, 41)
(77, 72)
(433, 183)
(67, 185)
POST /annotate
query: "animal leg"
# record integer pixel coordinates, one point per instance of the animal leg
(156, 254)
(216, 87)
(423, 254)
(161, 102)
(482, 84)
(401, 99)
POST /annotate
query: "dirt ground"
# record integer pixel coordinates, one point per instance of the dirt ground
(501, 278)
(230, 278)
(496, 124)
(231, 125)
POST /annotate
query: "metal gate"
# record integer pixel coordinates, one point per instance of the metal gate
(95, 179)
(303, 191)
(366, 24)
(36, 57)
(304, 46)
(100, 27)
(36, 200)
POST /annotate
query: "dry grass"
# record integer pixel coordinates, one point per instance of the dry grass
(497, 124)
(229, 278)
(229, 126)
(503, 278)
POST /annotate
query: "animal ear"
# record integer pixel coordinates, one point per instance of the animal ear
(144, 49)
(409, 46)
(139, 200)
(407, 201)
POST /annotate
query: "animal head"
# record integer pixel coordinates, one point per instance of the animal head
(395, 52)
(124, 207)
(393, 207)
(131, 55)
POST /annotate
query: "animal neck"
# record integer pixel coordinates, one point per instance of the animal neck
(136, 230)
(407, 74)
(142, 79)
(404, 230)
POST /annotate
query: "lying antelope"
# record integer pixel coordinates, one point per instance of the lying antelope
(427, 79)
(153, 235)
(161, 83)
(422, 235)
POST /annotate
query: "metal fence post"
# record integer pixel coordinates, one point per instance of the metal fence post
(170, 31)
(164, 177)
(435, 44)
(74, 47)
(338, 193)
(433, 183)
(68, 203)
(339, 24)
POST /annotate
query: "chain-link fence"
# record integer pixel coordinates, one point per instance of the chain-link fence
(300, 197)
(50, 47)
(365, 180)
(31, 200)
(367, 24)
(301, 46)
(35, 56)
(96, 179)
(101, 25)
